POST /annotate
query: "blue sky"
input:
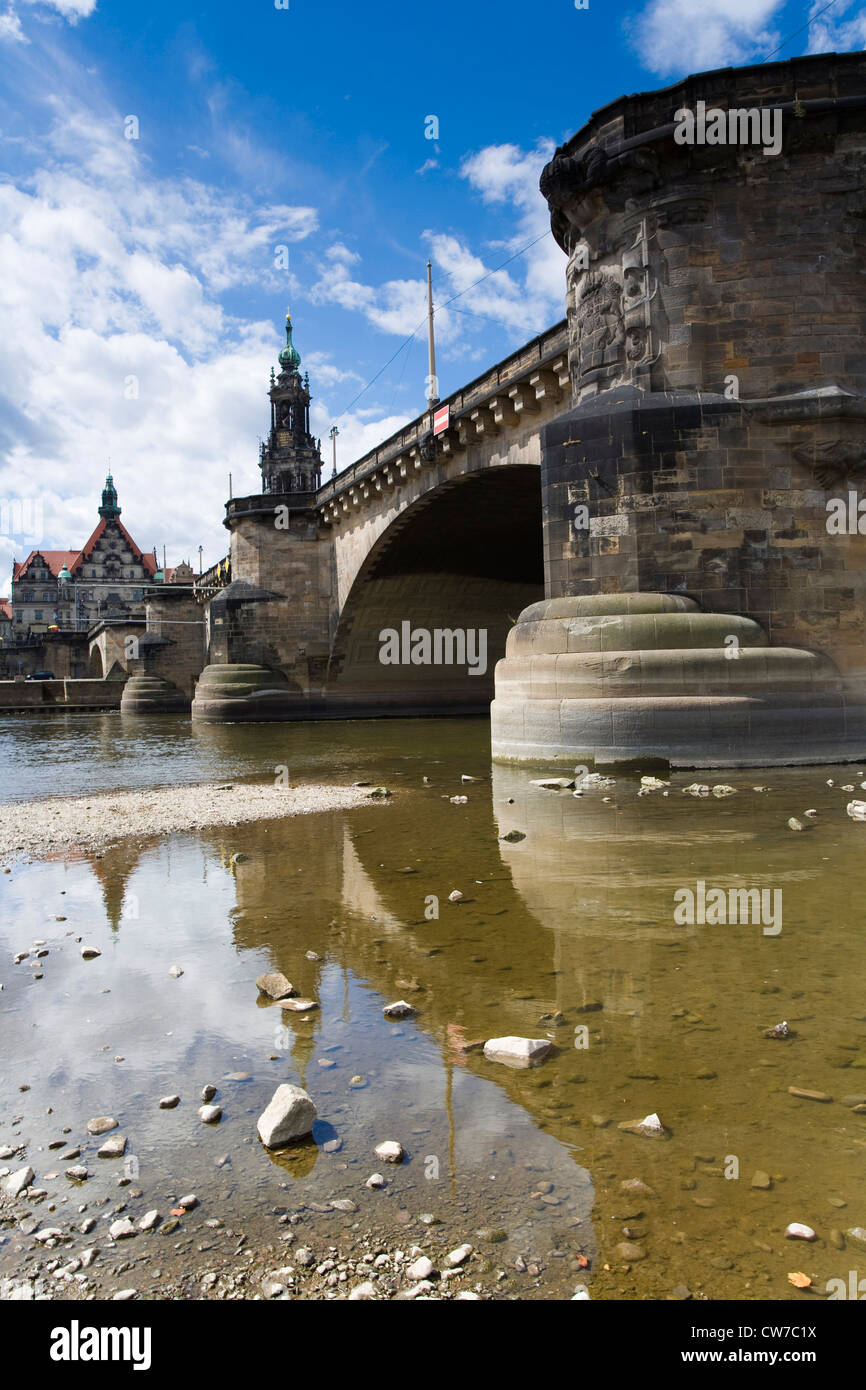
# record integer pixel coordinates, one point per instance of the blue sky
(141, 299)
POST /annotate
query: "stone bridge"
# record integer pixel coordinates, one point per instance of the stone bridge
(441, 532)
(651, 511)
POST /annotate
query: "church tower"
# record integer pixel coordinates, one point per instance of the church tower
(290, 459)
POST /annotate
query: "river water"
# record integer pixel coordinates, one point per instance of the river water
(571, 933)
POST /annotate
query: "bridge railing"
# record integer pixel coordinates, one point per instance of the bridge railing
(535, 353)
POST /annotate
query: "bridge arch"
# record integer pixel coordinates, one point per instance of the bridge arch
(462, 560)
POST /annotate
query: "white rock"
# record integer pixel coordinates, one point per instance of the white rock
(468, 1296)
(210, 1114)
(124, 1295)
(375, 1180)
(48, 1233)
(362, 1291)
(856, 810)
(722, 789)
(169, 1102)
(189, 1202)
(696, 789)
(272, 1289)
(459, 1256)
(115, 1147)
(421, 1269)
(289, 1115)
(122, 1229)
(90, 952)
(208, 1092)
(458, 800)
(399, 1009)
(517, 1052)
(149, 1220)
(175, 972)
(390, 1151)
(797, 1231)
(552, 784)
(456, 896)
(654, 784)
(650, 1125)
(15, 1184)
(275, 985)
(581, 1294)
(88, 1256)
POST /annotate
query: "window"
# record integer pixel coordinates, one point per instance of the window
(28, 596)
(132, 574)
(19, 616)
(46, 598)
(37, 616)
(93, 574)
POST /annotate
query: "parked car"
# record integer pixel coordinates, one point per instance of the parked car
(41, 676)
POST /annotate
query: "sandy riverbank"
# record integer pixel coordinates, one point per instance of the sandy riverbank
(91, 822)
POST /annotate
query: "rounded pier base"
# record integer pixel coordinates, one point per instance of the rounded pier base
(151, 694)
(617, 679)
(241, 693)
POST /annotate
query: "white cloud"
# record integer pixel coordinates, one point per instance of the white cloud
(10, 28)
(832, 33)
(73, 10)
(525, 297)
(109, 274)
(680, 37)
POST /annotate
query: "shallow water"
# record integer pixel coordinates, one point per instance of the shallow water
(577, 917)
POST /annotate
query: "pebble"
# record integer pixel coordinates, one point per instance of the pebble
(169, 1102)
(362, 1292)
(343, 1204)
(628, 1251)
(175, 971)
(149, 1220)
(210, 1114)
(17, 1182)
(124, 1295)
(457, 1257)
(113, 1148)
(90, 952)
(122, 1229)
(421, 1268)
(399, 1009)
(797, 1231)
(518, 1052)
(275, 985)
(298, 1006)
(650, 1126)
(78, 1173)
(808, 1095)
(332, 1146)
(208, 1092)
(188, 1202)
(390, 1151)
(101, 1125)
(761, 1180)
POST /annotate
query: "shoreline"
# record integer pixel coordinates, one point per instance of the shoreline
(39, 828)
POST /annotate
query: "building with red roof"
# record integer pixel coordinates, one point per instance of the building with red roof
(72, 589)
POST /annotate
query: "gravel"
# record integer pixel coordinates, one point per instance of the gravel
(90, 822)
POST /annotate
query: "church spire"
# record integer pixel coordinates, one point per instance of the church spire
(290, 459)
(109, 509)
(289, 359)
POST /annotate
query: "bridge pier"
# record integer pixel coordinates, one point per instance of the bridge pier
(716, 307)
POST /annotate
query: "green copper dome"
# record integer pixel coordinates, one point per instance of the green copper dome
(289, 359)
(109, 506)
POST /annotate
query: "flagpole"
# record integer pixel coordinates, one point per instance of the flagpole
(433, 397)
